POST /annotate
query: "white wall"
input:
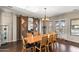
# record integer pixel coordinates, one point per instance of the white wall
(14, 27)
(67, 17)
(0, 17)
(8, 18)
(0, 24)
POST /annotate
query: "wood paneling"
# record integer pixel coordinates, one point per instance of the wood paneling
(24, 25)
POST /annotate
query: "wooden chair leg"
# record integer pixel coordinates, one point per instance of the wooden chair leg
(48, 48)
(40, 49)
(34, 49)
(56, 45)
(53, 46)
(45, 49)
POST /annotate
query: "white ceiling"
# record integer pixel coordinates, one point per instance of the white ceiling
(38, 11)
(51, 10)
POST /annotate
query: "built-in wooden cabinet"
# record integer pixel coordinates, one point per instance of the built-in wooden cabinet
(30, 24)
(3, 34)
(27, 24)
(22, 26)
(33, 24)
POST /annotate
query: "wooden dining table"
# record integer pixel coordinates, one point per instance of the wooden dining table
(33, 39)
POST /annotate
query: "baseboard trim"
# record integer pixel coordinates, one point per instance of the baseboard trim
(68, 42)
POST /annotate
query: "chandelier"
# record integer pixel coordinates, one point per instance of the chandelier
(45, 17)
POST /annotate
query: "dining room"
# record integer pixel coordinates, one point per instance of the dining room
(33, 38)
(39, 28)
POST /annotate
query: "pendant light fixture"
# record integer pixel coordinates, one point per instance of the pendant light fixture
(45, 17)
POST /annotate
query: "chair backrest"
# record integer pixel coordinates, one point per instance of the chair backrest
(54, 37)
(44, 40)
(29, 34)
(36, 33)
(23, 42)
(50, 40)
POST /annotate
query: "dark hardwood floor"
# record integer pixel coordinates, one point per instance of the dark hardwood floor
(62, 46)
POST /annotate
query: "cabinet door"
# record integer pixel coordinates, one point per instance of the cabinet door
(3, 34)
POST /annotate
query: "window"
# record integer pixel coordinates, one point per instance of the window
(74, 26)
(60, 27)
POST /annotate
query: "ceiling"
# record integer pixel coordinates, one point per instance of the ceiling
(38, 11)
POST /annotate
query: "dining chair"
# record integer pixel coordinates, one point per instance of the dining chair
(52, 40)
(43, 44)
(55, 39)
(26, 46)
(29, 34)
(36, 33)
